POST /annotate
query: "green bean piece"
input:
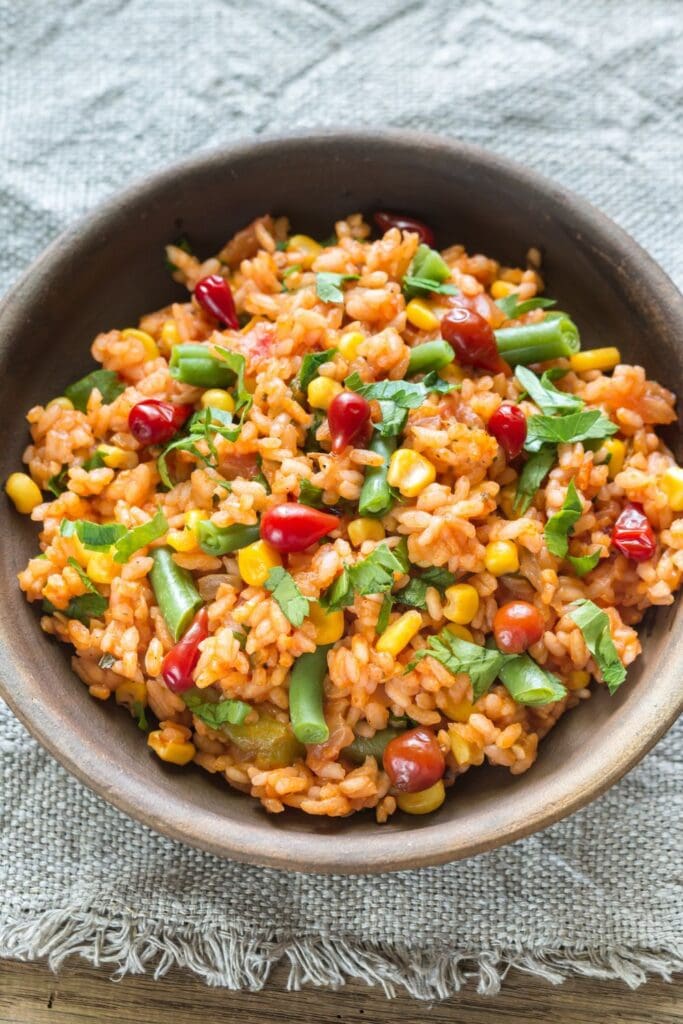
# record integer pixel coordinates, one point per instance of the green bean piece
(306, 697)
(373, 746)
(223, 540)
(552, 338)
(175, 592)
(375, 496)
(528, 683)
(192, 363)
(432, 355)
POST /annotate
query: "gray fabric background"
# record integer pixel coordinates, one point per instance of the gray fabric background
(95, 94)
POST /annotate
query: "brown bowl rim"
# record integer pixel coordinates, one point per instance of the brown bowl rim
(290, 850)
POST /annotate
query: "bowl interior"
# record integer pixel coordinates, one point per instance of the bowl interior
(110, 270)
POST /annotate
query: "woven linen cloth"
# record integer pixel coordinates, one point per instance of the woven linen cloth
(96, 94)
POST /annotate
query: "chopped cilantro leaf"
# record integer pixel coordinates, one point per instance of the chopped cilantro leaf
(328, 285)
(288, 596)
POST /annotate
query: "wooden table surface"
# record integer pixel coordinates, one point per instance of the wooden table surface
(31, 994)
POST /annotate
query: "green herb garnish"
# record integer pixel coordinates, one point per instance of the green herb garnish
(140, 536)
(513, 308)
(536, 469)
(384, 613)
(595, 627)
(107, 383)
(223, 712)
(404, 393)
(560, 525)
(310, 364)
(57, 483)
(586, 425)
(285, 592)
(310, 495)
(138, 709)
(544, 393)
(372, 575)
(328, 285)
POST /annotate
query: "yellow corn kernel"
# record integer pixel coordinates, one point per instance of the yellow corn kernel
(101, 567)
(194, 517)
(321, 391)
(349, 344)
(616, 450)
(148, 342)
(671, 482)
(307, 248)
(506, 500)
(170, 336)
(424, 802)
(216, 398)
(501, 557)
(410, 472)
(255, 562)
(462, 603)
(462, 632)
(459, 712)
(399, 634)
(460, 747)
(595, 359)
(117, 458)
(501, 289)
(251, 324)
(182, 541)
(452, 372)
(170, 750)
(578, 680)
(23, 491)
(63, 402)
(365, 529)
(329, 626)
(421, 315)
(131, 692)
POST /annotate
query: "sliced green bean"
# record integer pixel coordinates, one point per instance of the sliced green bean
(222, 540)
(375, 496)
(528, 683)
(175, 592)
(432, 355)
(306, 697)
(372, 746)
(552, 338)
(192, 363)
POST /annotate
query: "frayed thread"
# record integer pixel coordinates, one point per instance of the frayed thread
(223, 957)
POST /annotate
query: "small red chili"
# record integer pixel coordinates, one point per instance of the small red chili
(154, 422)
(178, 665)
(508, 426)
(633, 535)
(214, 294)
(516, 626)
(293, 527)
(473, 339)
(413, 761)
(349, 418)
(385, 220)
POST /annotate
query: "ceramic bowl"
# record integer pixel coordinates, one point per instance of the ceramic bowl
(109, 269)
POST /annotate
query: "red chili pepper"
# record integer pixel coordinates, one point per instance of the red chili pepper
(413, 761)
(294, 527)
(385, 220)
(508, 426)
(214, 294)
(473, 340)
(154, 422)
(348, 417)
(633, 535)
(178, 665)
